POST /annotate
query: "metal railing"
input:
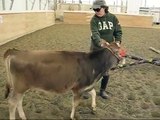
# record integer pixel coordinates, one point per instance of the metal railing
(16, 5)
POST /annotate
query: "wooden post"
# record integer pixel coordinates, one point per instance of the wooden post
(55, 5)
(11, 5)
(40, 1)
(26, 4)
(3, 5)
(155, 50)
(33, 4)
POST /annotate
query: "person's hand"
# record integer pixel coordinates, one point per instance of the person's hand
(118, 44)
(103, 43)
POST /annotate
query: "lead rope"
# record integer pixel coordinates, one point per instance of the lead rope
(114, 53)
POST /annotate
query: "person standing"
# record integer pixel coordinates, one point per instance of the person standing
(105, 28)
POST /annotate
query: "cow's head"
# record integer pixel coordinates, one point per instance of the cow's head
(117, 52)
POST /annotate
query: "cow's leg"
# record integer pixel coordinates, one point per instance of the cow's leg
(20, 107)
(12, 108)
(75, 103)
(13, 101)
(93, 94)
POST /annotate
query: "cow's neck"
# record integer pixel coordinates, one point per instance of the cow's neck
(100, 59)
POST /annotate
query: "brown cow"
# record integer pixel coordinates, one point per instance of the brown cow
(55, 71)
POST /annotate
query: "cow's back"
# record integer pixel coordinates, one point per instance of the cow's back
(49, 70)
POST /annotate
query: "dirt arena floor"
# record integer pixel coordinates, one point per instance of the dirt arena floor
(134, 91)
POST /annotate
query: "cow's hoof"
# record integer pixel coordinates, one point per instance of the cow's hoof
(93, 111)
(72, 119)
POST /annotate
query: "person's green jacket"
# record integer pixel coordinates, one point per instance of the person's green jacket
(107, 28)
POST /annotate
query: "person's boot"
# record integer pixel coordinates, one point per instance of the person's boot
(104, 83)
(103, 94)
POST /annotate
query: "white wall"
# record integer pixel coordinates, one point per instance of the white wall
(133, 6)
(18, 5)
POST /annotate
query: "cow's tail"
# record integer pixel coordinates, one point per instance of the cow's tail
(9, 82)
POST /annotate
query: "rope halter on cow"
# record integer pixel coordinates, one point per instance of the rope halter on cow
(116, 50)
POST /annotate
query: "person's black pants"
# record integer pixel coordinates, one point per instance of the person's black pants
(104, 82)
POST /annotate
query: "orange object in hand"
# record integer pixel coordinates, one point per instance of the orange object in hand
(122, 52)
